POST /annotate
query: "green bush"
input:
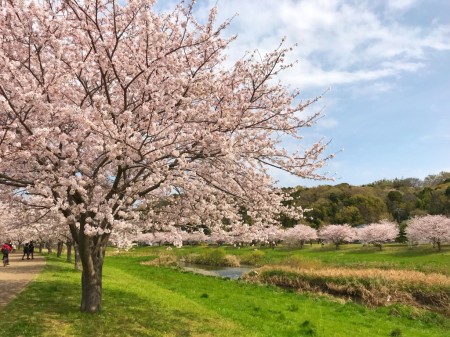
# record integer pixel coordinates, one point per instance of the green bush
(253, 258)
(210, 257)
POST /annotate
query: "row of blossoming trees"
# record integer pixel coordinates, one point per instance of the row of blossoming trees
(434, 229)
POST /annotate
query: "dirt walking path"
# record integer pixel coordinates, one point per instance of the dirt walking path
(15, 277)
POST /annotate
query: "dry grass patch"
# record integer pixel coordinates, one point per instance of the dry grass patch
(163, 259)
(374, 287)
(399, 276)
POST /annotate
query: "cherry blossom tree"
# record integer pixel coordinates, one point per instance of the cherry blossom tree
(271, 235)
(194, 237)
(429, 228)
(108, 108)
(220, 237)
(299, 234)
(378, 233)
(337, 234)
(19, 224)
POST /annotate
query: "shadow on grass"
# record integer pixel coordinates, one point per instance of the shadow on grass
(51, 308)
(417, 251)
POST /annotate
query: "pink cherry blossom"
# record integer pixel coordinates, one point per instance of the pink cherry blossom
(378, 233)
(123, 121)
(433, 229)
(299, 234)
(337, 234)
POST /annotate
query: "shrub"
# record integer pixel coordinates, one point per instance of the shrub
(252, 258)
(232, 261)
(164, 259)
(213, 257)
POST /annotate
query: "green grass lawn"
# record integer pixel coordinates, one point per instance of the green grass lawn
(393, 256)
(140, 300)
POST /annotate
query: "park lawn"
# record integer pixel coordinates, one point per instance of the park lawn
(141, 300)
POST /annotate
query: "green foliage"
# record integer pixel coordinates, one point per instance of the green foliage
(212, 257)
(447, 191)
(348, 215)
(253, 257)
(398, 199)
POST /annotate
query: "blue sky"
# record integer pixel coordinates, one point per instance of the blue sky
(387, 64)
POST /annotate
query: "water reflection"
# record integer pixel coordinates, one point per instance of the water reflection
(225, 272)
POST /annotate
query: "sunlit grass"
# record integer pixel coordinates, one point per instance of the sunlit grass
(142, 300)
(393, 256)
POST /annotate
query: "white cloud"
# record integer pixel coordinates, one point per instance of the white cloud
(362, 49)
(400, 5)
(340, 42)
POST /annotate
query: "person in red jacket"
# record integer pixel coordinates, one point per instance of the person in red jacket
(6, 249)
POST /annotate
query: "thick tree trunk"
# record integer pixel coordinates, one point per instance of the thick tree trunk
(49, 247)
(77, 258)
(41, 246)
(60, 248)
(69, 245)
(92, 254)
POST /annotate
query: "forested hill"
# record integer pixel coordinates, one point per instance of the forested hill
(398, 199)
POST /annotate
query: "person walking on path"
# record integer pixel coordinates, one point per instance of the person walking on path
(6, 249)
(26, 251)
(31, 249)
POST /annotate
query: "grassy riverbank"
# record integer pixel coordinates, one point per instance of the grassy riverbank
(142, 300)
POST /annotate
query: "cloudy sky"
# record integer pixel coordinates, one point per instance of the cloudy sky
(387, 64)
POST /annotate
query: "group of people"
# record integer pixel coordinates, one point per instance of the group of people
(28, 250)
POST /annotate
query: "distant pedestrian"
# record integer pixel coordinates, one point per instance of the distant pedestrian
(26, 251)
(31, 249)
(6, 249)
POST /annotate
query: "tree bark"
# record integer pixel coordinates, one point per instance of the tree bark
(69, 245)
(77, 258)
(49, 247)
(92, 254)
(60, 248)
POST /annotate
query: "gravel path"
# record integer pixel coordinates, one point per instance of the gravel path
(17, 275)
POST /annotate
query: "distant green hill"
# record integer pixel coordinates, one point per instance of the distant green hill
(398, 199)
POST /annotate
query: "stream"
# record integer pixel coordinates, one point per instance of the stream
(225, 272)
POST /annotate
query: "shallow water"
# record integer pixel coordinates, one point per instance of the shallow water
(225, 272)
